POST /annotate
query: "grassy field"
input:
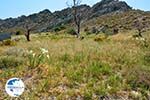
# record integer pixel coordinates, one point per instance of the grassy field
(62, 67)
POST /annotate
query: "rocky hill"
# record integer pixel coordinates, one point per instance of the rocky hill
(129, 20)
(109, 6)
(46, 20)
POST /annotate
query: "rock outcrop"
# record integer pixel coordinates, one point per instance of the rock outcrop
(46, 20)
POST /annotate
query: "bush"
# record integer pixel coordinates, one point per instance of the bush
(138, 78)
(100, 38)
(86, 29)
(88, 33)
(59, 28)
(8, 43)
(10, 61)
(36, 59)
(15, 51)
(71, 31)
(97, 68)
(65, 58)
(147, 59)
(19, 33)
(94, 30)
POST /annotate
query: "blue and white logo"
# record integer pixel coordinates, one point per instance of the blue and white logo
(14, 87)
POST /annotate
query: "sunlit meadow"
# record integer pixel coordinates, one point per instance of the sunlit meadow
(64, 67)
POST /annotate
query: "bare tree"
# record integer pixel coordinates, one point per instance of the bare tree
(27, 33)
(29, 26)
(76, 16)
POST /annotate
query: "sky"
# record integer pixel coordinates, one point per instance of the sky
(15, 8)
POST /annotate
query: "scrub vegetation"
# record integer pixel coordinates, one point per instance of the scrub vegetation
(64, 67)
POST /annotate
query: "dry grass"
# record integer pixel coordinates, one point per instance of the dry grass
(84, 69)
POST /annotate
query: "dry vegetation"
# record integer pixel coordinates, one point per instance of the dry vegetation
(116, 67)
(123, 21)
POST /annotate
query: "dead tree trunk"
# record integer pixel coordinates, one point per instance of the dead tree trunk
(78, 32)
(28, 34)
(76, 16)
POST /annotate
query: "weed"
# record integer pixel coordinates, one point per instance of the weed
(10, 62)
(100, 38)
(8, 43)
(97, 69)
(36, 59)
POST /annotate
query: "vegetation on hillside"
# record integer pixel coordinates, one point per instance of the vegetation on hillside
(63, 67)
(45, 20)
(125, 21)
(110, 60)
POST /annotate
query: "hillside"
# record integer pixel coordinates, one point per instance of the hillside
(122, 21)
(100, 65)
(110, 68)
(46, 20)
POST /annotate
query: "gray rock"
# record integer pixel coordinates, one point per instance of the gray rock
(46, 20)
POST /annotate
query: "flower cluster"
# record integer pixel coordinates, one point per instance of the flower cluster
(35, 59)
(43, 50)
(140, 38)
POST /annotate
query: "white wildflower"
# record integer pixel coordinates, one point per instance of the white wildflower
(30, 52)
(47, 56)
(33, 54)
(137, 38)
(135, 93)
(142, 39)
(109, 87)
(44, 50)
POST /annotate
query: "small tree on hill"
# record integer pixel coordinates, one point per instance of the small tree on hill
(76, 16)
(28, 26)
(27, 33)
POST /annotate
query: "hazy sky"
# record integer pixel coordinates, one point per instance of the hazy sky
(15, 8)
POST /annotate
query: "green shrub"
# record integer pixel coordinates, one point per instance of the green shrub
(137, 77)
(59, 28)
(66, 57)
(88, 95)
(36, 59)
(88, 33)
(71, 31)
(147, 59)
(15, 51)
(96, 69)
(86, 29)
(10, 62)
(76, 76)
(100, 38)
(19, 33)
(79, 57)
(62, 27)
(94, 30)
(101, 89)
(115, 81)
(8, 43)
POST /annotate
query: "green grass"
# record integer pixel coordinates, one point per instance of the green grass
(86, 69)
